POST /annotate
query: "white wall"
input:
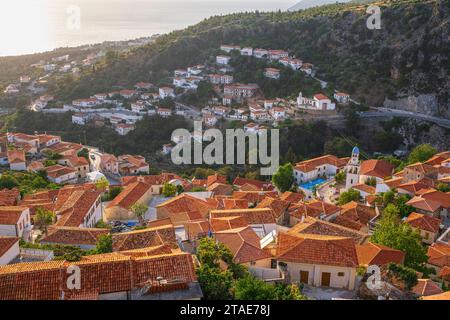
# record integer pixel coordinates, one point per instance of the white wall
(10, 255)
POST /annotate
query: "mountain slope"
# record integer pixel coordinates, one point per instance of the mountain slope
(404, 65)
(305, 4)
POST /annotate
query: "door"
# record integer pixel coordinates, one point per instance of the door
(326, 277)
(304, 276)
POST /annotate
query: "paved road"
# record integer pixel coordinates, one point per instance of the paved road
(385, 113)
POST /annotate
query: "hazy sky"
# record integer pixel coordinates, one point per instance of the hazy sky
(28, 26)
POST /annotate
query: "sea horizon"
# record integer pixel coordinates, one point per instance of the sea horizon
(122, 20)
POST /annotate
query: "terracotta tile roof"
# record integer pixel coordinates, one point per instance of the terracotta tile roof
(226, 223)
(11, 215)
(321, 227)
(316, 249)
(149, 251)
(252, 216)
(106, 273)
(376, 168)
(312, 164)
(439, 255)
(230, 203)
(216, 178)
(437, 196)
(6, 243)
(412, 187)
(149, 237)
(316, 208)
(31, 281)
(198, 229)
(424, 204)
(73, 205)
(58, 171)
(421, 167)
(199, 182)
(260, 185)
(377, 254)
(292, 197)
(441, 296)
(244, 243)
(365, 188)
(220, 189)
(254, 196)
(394, 182)
(183, 208)
(16, 156)
(445, 273)
(355, 215)
(437, 159)
(159, 223)
(423, 222)
(160, 179)
(426, 287)
(74, 235)
(9, 197)
(278, 206)
(130, 195)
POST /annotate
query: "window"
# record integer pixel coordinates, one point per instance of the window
(341, 274)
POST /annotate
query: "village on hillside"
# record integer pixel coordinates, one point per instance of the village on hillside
(122, 107)
(316, 228)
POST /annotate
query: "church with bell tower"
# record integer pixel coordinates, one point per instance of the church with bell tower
(352, 169)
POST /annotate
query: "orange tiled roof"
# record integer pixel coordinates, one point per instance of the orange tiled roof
(11, 215)
(105, 273)
(421, 167)
(244, 243)
(440, 296)
(278, 206)
(184, 208)
(376, 168)
(149, 237)
(426, 287)
(16, 156)
(365, 188)
(252, 216)
(74, 235)
(197, 229)
(317, 249)
(412, 187)
(260, 185)
(377, 254)
(321, 227)
(130, 195)
(9, 197)
(216, 178)
(310, 165)
(220, 189)
(226, 223)
(355, 215)
(423, 222)
(292, 197)
(6, 243)
(439, 255)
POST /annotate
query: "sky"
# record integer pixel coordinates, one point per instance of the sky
(28, 26)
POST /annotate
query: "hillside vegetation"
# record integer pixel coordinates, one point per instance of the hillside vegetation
(409, 56)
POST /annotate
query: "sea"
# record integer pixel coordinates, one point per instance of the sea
(30, 26)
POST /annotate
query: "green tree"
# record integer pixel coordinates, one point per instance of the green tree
(392, 233)
(215, 283)
(421, 153)
(104, 244)
(251, 288)
(340, 177)
(8, 182)
(290, 156)
(84, 153)
(372, 181)
(102, 184)
(43, 219)
(443, 187)
(349, 196)
(139, 210)
(284, 177)
(114, 192)
(169, 190)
